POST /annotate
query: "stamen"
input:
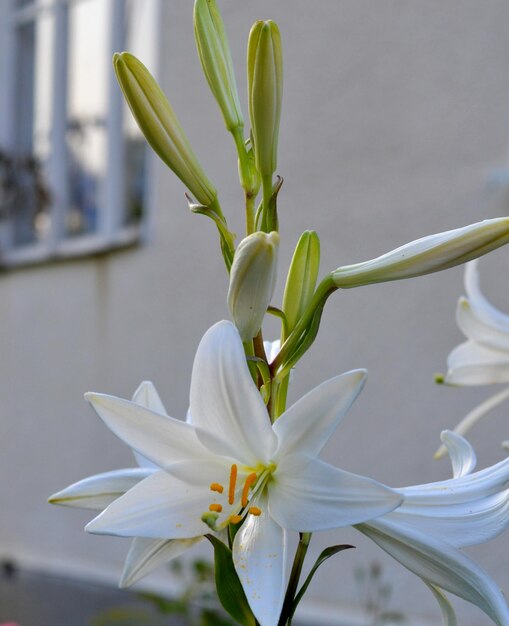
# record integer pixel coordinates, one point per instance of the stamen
(217, 487)
(217, 508)
(232, 485)
(254, 510)
(235, 519)
(247, 485)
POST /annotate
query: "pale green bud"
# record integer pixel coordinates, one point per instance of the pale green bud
(252, 281)
(265, 92)
(302, 275)
(216, 60)
(159, 124)
(429, 254)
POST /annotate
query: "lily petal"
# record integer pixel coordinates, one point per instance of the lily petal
(146, 554)
(308, 495)
(308, 424)
(97, 492)
(160, 506)
(461, 453)
(147, 396)
(226, 407)
(438, 563)
(259, 555)
(479, 326)
(472, 363)
(160, 438)
(476, 414)
(481, 305)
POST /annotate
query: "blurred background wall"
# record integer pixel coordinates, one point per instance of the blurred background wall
(395, 119)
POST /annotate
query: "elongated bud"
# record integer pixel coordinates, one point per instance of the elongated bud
(159, 124)
(265, 91)
(429, 254)
(216, 61)
(252, 281)
(301, 280)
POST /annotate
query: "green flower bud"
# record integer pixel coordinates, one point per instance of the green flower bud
(265, 91)
(216, 61)
(302, 275)
(429, 254)
(252, 281)
(159, 124)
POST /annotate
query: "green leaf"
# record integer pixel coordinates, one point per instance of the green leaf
(229, 590)
(326, 554)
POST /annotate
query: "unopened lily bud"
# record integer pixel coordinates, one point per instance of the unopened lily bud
(216, 60)
(252, 281)
(159, 124)
(429, 254)
(302, 275)
(265, 91)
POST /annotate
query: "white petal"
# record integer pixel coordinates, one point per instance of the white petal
(162, 439)
(97, 492)
(468, 488)
(448, 614)
(475, 415)
(440, 564)
(459, 524)
(466, 510)
(462, 454)
(271, 349)
(472, 363)
(225, 405)
(308, 495)
(479, 327)
(147, 554)
(160, 506)
(307, 425)
(147, 396)
(480, 304)
(259, 555)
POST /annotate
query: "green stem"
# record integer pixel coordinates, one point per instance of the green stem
(293, 583)
(248, 349)
(246, 178)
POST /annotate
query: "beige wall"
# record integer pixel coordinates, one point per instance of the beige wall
(395, 114)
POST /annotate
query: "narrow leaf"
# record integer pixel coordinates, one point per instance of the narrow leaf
(326, 554)
(229, 590)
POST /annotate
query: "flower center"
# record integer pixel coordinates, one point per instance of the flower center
(238, 495)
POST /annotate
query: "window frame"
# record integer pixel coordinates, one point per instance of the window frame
(111, 233)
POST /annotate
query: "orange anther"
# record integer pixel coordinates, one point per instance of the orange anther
(254, 510)
(247, 485)
(217, 508)
(217, 487)
(235, 519)
(231, 486)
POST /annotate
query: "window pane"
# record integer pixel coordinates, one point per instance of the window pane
(30, 200)
(141, 20)
(87, 106)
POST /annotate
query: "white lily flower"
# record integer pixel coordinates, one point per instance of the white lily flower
(98, 491)
(484, 358)
(425, 533)
(230, 464)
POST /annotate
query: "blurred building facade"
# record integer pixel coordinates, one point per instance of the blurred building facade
(395, 115)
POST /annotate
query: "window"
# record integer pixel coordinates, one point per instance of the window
(74, 169)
